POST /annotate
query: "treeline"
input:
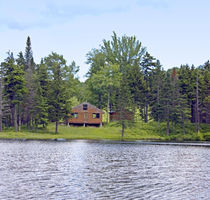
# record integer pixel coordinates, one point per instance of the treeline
(34, 94)
(123, 77)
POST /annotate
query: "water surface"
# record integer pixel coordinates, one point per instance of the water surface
(102, 170)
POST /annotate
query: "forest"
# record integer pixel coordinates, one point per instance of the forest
(123, 76)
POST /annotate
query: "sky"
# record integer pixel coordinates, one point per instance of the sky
(174, 31)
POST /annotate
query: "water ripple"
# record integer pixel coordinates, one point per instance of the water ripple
(84, 170)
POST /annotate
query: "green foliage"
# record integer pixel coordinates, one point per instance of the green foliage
(41, 107)
(104, 83)
(124, 51)
(14, 86)
(122, 77)
(29, 61)
(157, 85)
(29, 101)
(59, 96)
(97, 61)
(14, 82)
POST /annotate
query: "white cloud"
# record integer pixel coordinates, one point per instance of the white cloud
(24, 14)
(175, 32)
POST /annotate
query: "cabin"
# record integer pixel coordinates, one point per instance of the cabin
(86, 114)
(125, 114)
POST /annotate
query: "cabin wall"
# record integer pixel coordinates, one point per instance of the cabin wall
(85, 117)
(115, 116)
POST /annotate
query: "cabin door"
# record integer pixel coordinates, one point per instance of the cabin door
(85, 116)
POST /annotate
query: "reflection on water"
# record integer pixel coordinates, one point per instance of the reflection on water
(84, 170)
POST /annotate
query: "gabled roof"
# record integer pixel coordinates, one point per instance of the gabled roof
(80, 106)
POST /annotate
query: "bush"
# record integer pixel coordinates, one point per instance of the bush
(206, 136)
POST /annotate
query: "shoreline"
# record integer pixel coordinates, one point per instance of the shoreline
(141, 142)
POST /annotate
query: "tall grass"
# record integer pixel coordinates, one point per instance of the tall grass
(112, 131)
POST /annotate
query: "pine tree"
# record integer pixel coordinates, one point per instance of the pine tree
(40, 112)
(157, 82)
(148, 65)
(14, 85)
(166, 101)
(29, 61)
(205, 93)
(58, 97)
(203, 89)
(124, 104)
(21, 63)
(29, 100)
(197, 109)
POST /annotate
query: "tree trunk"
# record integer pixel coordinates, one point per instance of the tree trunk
(172, 127)
(1, 113)
(123, 129)
(146, 113)
(192, 107)
(108, 100)
(197, 107)
(99, 101)
(183, 124)
(183, 128)
(19, 118)
(28, 121)
(56, 127)
(15, 118)
(167, 130)
(158, 100)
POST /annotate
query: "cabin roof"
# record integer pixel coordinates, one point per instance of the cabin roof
(80, 107)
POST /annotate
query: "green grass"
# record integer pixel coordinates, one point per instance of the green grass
(139, 131)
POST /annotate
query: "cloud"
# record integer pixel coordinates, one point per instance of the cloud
(25, 14)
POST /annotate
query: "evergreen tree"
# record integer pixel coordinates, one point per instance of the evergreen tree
(21, 63)
(124, 104)
(184, 88)
(14, 85)
(29, 99)
(148, 65)
(175, 104)
(40, 111)
(29, 61)
(205, 92)
(58, 98)
(157, 82)
(166, 101)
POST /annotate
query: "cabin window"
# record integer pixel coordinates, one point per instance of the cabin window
(74, 115)
(96, 115)
(85, 106)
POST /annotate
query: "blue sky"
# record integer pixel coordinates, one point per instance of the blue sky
(174, 31)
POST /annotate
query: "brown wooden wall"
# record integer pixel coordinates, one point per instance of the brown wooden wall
(86, 116)
(127, 115)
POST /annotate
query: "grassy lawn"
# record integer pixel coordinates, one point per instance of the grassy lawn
(104, 133)
(140, 131)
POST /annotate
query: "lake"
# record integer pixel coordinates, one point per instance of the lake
(103, 170)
